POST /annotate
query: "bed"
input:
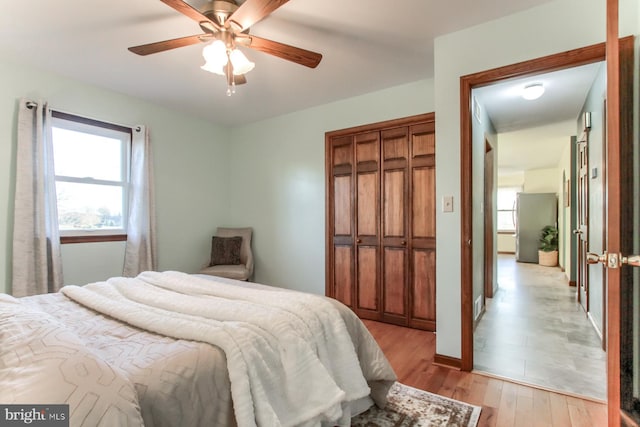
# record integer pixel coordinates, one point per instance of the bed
(169, 349)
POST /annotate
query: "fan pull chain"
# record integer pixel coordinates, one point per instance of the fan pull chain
(231, 83)
(231, 89)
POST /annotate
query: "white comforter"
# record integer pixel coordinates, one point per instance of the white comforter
(289, 357)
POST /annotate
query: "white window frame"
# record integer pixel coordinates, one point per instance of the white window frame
(513, 210)
(76, 123)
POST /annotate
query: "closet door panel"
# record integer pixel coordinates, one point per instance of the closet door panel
(423, 140)
(343, 274)
(394, 203)
(395, 211)
(423, 307)
(423, 203)
(367, 242)
(395, 277)
(423, 227)
(395, 144)
(368, 279)
(367, 219)
(343, 210)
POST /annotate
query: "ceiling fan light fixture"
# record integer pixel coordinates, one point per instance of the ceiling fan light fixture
(533, 91)
(215, 55)
(214, 68)
(241, 65)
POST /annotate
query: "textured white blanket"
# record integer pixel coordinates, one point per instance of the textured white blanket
(290, 358)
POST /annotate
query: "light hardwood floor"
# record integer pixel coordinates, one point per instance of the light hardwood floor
(504, 404)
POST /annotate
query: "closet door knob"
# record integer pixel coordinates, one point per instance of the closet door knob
(358, 240)
(403, 243)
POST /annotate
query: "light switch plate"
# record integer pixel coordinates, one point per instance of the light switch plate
(447, 204)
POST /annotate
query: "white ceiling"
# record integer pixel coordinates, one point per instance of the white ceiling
(367, 45)
(532, 134)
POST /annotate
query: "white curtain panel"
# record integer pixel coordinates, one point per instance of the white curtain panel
(140, 252)
(37, 264)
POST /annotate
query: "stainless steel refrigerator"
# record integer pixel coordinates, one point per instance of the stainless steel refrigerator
(533, 212)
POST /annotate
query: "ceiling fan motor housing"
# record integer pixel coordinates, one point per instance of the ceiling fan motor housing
(219, 10)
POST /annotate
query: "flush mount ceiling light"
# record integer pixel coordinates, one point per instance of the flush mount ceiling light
(533, 91)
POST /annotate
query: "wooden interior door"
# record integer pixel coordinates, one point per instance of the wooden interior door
(367, 247)
(341, 277)
(489, 208)
(622, 230)
(395, 265)
(582, 230)
(422, 163)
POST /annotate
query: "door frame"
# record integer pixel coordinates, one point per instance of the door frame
(559, 61)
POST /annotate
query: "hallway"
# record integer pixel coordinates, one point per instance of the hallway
(534, 331)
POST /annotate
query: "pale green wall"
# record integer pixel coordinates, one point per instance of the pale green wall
(595, 105)
(191, 164)
(482, 129)
(564, 217)
(269, 175)
(278, 182)
(568, 24)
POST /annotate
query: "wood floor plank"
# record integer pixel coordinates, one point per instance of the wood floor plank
(541, 408)
(559, 410)
(434, 377)
(450, 383)
(507, 408)
(493, 393)
(597, 413)
(504, 403)
(488, 417)
(462, 390)
(478, 389)
(524, 411)
(579, 416)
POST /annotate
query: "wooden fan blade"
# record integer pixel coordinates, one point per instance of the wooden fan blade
(190, 12)
(290, 53)
(252, 11)
(147, 49)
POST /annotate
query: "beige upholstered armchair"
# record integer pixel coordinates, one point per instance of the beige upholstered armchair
(231, 254)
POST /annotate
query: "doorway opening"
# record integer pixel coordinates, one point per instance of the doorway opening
(548, 64)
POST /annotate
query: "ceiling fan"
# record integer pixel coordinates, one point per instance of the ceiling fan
(226, 26)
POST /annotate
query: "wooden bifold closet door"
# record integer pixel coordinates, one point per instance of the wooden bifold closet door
(380, 251)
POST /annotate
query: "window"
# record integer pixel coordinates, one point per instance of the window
(91, 161)
(507, 197)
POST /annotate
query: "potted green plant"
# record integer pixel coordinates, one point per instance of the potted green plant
(548, 249)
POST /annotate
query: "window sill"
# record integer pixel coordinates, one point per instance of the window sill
(93, 239)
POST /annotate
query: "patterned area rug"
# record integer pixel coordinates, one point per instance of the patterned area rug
(410, 407)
